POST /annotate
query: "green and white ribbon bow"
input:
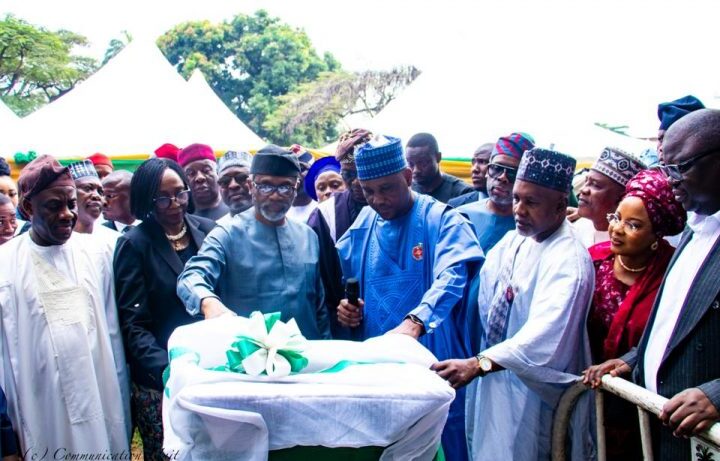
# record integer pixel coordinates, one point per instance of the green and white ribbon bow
(270, 346)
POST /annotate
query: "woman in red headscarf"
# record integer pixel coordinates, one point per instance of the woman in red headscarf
(629, 269)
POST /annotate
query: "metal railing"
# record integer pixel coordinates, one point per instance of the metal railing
(647, 403)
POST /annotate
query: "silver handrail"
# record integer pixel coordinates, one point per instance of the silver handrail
(646, 401)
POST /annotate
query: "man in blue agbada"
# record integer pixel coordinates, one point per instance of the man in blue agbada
(259, 260)
(413, 257)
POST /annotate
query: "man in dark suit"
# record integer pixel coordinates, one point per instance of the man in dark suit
(678, 354)
(423, 157)
(116, 203)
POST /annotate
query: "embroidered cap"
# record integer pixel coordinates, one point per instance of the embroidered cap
(379, 157)
(618, 165)
(82, 169)
(547, 168)
(234, 158)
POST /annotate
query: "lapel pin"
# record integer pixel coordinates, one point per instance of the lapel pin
(417, 252)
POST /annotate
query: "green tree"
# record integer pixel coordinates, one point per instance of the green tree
(310, 113)
(250, 61)
(36, 65)
(115, 46)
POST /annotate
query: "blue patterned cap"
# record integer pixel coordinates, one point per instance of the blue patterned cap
(234, 158)
(379, 157)
(82, 169)
(547, 168)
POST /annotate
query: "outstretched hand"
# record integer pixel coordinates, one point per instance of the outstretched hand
(408, 327)
(213, 307)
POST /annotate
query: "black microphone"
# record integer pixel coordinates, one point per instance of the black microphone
(352, 291)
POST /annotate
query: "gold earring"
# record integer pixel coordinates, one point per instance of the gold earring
(654, 246)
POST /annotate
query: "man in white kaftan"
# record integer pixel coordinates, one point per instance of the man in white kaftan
(57, 365)
(535, 289)
(545, 347)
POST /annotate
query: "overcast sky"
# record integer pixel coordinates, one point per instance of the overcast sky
(618, 53)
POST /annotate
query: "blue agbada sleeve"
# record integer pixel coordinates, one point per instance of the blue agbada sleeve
(200, 276)
(8, 445)
(455, 249)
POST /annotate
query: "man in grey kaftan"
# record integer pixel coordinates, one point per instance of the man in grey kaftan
(260, 261)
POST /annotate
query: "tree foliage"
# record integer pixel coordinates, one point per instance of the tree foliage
(309, 114)
(249, 61)
(115, 46)
(37, 66)
(270, 75)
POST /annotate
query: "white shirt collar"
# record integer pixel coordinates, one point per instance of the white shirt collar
(703, 224)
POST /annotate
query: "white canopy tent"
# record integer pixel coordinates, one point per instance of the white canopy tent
(8, 120)
(131, 106)
(463, 114)
(233, 133)
(554, 76)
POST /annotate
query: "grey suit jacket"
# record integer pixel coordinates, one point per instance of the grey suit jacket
(691, 357)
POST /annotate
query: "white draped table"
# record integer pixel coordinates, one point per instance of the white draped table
(376, 393)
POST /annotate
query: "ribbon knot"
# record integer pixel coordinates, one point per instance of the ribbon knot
(269, 346)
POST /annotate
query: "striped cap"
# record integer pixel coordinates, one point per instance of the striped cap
(514, 145)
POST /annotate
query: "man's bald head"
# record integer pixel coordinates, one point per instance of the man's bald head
(692, 146)
(117, 178)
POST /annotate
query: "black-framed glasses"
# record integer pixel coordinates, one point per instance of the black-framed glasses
(495, 170)
(676, 170)
(285, 190)
(348, 175)
(163, 202)
(240, 179)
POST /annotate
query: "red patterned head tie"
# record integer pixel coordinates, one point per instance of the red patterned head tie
(666, 214)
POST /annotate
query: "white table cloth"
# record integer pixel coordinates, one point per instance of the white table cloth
(382, 394)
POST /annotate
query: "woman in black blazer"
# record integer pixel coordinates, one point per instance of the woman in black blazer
(148, 260)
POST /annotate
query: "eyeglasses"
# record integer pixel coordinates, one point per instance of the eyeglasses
(181, 198)
(675, 171)
(615, 220)
(11, 221)
(239, 178)
(348, 175)
(495, 170)
(285, 190)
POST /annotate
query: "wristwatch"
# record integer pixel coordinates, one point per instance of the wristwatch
(484, 364)
(416, 320)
